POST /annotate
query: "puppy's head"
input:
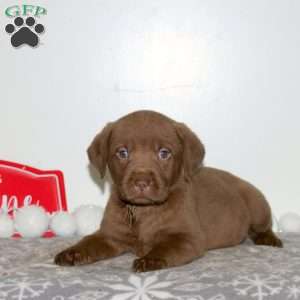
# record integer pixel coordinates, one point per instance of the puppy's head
(146, 153)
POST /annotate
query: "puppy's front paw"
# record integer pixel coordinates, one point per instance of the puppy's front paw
(72, 257)
(146, 264)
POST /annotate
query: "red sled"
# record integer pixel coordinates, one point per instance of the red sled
(22, 185)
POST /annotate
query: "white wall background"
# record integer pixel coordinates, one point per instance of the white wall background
(229, 69)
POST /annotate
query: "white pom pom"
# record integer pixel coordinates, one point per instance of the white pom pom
(289, 222)
(6, 226)
(88, 218)
(63, 224)
(31, 221)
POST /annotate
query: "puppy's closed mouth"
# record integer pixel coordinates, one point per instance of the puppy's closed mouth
(143, 201)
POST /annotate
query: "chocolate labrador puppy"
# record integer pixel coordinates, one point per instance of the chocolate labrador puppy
(165, 206)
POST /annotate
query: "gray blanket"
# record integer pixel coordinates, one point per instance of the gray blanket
(243, 272)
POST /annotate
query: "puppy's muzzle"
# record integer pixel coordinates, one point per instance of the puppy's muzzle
(143, 185)
(142, 180)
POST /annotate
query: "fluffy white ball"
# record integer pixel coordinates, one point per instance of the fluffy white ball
(290, 222)
(63, 224)
(31, 221)
(6, 226)
(88, 218)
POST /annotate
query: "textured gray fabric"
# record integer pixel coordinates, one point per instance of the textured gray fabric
(243, 272)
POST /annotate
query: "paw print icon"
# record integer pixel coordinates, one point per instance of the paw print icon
(24, 32)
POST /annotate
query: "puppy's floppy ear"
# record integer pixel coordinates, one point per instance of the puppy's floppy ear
(193, 149)
(98, 150)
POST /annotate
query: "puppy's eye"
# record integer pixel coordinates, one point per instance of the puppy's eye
(122, 153)
(164, 154)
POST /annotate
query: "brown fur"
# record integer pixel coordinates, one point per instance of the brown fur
(167, 211)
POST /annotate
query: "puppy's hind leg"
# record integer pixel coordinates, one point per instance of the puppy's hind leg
(267, 238)
(260, 231)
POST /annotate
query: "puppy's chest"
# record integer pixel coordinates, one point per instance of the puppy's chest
(137, 218)
(130, 215)
(143, 225)
(142, 233)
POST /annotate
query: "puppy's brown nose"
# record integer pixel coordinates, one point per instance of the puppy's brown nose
(142, 185)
